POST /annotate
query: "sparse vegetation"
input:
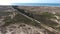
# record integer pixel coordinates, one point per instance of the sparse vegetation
(47, 15)
(44, 18)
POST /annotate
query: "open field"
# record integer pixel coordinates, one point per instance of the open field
(31, 19)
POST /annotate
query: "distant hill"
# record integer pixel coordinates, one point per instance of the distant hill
(6, 8)
(41, 8)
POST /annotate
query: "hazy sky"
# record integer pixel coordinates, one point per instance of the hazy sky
(36, 1)
(8, 2)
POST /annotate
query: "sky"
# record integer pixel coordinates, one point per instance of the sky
(8, 2)
(36, 1)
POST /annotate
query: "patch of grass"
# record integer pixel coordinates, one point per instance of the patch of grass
(4, 13)
(17, 19)
(7, 21)
(58, 28)
(47, 15)
(20, 19)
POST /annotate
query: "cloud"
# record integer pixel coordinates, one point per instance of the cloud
(36, 1)
(5, 2)
(24, 1)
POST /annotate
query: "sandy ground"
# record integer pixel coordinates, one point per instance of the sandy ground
(23, 29)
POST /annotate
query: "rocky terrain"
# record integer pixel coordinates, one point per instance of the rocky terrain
(29, 20)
